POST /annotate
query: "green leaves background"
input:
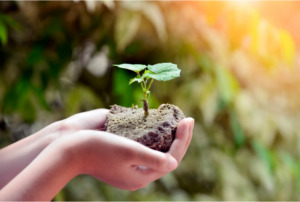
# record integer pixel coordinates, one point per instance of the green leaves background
(239, 80)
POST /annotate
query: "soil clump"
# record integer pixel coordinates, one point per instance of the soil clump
(156, 131)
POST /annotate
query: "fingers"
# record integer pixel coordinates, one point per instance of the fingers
(143, 161)
(154, 160)
(119, 161)
(183, 138)
(90, 120)
(151, 165)
(129, 151)
(155, 164)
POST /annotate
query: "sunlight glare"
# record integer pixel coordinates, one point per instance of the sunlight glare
(242, 3)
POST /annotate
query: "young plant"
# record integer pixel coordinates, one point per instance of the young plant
(147, 73)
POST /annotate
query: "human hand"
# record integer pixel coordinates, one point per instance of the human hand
(90, 120)
(125, 163)
(79, 147)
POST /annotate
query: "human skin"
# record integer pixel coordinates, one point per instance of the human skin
(39, 166)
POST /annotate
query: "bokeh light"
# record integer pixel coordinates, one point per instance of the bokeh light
(240, 81)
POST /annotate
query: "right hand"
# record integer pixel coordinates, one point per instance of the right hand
(122, 162)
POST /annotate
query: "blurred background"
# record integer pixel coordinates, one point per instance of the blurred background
(240, 81)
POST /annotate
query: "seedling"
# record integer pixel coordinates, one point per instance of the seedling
(147, 73)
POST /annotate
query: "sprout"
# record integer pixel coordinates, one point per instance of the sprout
(147, 73)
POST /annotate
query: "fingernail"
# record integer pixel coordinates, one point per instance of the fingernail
(172, 163)
(190, 119)
(191, 125)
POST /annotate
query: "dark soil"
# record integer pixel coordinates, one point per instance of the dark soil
(156, 131)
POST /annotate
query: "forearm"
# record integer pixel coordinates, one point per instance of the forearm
(16, 157)
(43, 178)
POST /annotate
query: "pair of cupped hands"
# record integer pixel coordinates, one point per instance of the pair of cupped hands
(39, 166)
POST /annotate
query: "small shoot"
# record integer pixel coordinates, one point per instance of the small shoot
(146, 74)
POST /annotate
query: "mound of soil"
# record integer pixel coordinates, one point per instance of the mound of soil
(156, 131)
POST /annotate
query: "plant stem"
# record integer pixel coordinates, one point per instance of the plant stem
(150, 84)
(145, 100)
(146, 108)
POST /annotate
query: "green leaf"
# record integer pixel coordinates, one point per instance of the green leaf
(5, 22)
(239, 136)
(39, 94)
(133, 67)
(35, 55)
(162, 67)
(164, 76)
(264, 154)
(227, 84)
(163, 71)
(10, 22)
(3, 33)
(138, 79)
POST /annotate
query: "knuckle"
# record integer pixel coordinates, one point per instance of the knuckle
(65, 126)
(159, 162)
(60, 127)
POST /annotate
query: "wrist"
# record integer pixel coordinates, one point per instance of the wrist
(69, 155)
(47, 135)
(73, 156)
(71, 147)
(55, 130)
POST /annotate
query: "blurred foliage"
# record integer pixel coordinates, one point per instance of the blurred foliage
(239, 81)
